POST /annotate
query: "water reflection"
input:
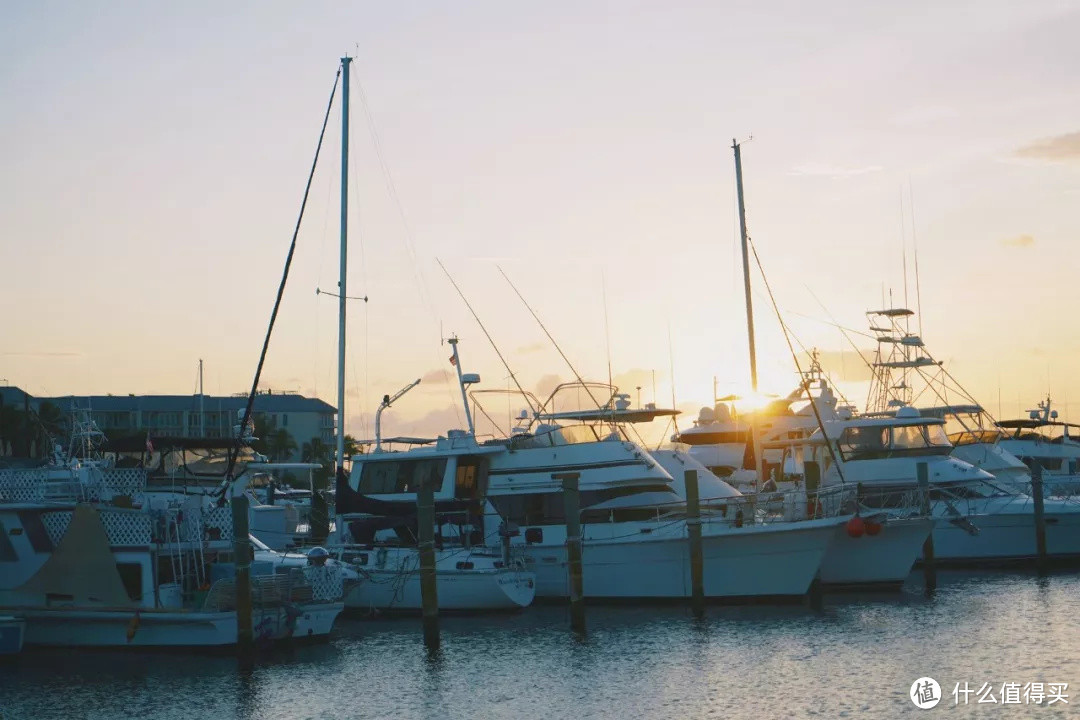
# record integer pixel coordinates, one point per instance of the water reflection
(857, 655)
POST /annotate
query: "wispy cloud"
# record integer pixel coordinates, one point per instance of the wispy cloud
(833, 171)
(1019, 241)
(435, 377)
(1057, 149)
(532, 348)
(42, 354)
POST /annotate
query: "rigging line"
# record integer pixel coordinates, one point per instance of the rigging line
(671, 366)
(607, 332)
(536, 317)
(277, 302)
(488, 336)
(410, 240)
(361, 390)
(322, 259)
(915, 248)
(795, 358)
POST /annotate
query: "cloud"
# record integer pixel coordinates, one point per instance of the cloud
(546, 384)
(531, 348)
(1019, 241)
(42, 354)
(845, 365)
(437, 376)
(1060, 148)
(832, 171)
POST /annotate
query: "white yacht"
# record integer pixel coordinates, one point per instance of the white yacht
(978, 519)
(633, 522)
(1044, 440)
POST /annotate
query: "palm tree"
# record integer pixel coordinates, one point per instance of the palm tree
(280, 445)
(315, 450)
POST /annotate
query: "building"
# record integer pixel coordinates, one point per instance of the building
(202, 416)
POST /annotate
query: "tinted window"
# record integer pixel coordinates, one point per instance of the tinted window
(400, 476)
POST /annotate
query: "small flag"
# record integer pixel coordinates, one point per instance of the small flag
(149, 445)
(453, 360)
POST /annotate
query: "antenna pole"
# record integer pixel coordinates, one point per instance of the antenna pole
(343, 268)
(202, 416)
(461, 384)
(745, 265)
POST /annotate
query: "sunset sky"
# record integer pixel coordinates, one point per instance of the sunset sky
(155, 156)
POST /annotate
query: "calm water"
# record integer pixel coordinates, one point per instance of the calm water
(855, 657)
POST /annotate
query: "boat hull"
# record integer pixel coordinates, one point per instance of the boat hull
(111, 627)
(768, 561)
(394, 590)
(1009, 536)
(881, 561)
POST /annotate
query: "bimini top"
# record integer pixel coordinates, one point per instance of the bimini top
(618, 415)
(1029, 424)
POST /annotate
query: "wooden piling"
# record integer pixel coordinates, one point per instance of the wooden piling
(242, 552)
(1040, 518)
(429, 595)
(693, 529)
(922, 474)
(572, 507)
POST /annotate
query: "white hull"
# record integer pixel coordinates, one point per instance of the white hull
(756, 561)
(878, 560)
(110, 628)
(1009, 535)
(392, 590)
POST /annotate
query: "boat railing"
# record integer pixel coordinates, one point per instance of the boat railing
(296, 586)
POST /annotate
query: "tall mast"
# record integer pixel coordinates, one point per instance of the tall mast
(202, 415)
(342, 269)
(745, 266)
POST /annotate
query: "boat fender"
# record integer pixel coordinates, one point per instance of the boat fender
(872, 527)
(133, 626)
(856, 527)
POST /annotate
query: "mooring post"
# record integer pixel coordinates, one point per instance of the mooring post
(572, 507)
(693, 529)
(1040, 519)
(242, 553)
(922, 474)
(429, 594)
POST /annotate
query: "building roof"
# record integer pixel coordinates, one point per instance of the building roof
(178, 403)
(11, 395)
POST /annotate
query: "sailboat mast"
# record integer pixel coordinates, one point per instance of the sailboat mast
(745, 265)
(345, 61)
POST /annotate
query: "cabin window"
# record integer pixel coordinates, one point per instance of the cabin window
(131, 575)
(400, 476)
(859, 443)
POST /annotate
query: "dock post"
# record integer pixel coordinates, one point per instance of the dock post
(242, 552)
(572, 507)
(1040, 519)
(922, 474)
(429, 595)
(693, 529)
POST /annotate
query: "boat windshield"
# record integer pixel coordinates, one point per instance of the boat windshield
(548, 435)
(975, 437)
(870, 442)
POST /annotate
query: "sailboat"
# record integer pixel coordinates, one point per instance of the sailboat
(468, 577)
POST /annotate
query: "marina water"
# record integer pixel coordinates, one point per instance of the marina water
(856, 656)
